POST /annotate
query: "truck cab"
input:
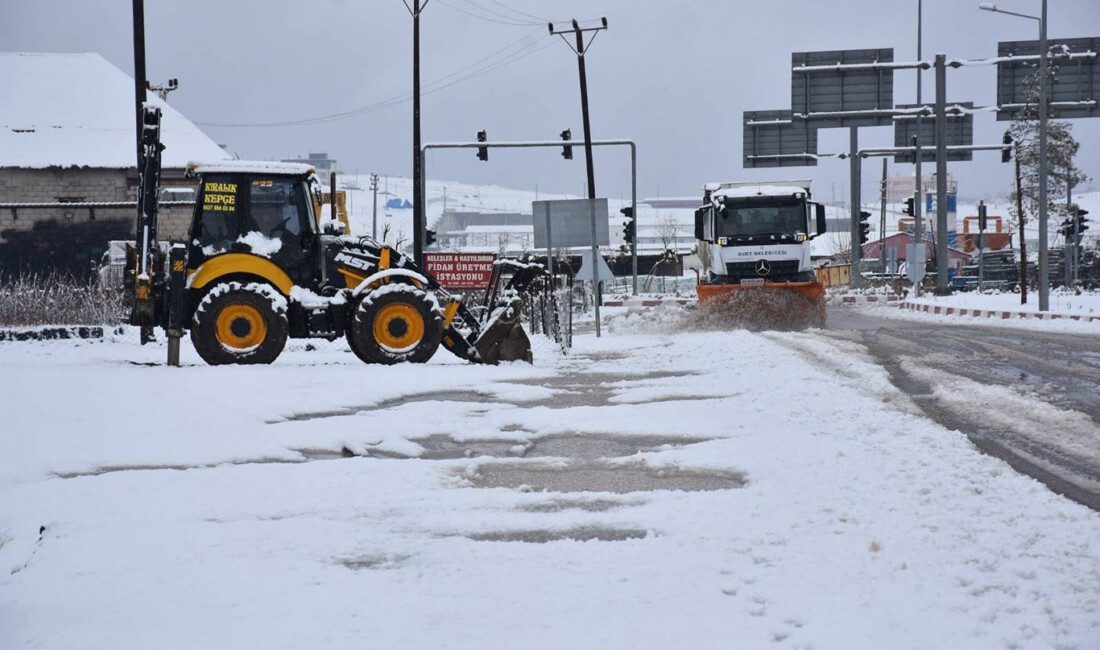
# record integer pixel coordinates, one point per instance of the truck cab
(757, 233)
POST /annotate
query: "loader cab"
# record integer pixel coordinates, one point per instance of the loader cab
(259, 213)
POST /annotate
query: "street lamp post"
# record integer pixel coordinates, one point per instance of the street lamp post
(1044, 253)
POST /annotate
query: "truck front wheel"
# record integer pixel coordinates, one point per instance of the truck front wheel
(237, 323)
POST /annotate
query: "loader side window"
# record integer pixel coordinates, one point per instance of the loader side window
(274, 208)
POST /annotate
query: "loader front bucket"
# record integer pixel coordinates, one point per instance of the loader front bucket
(768, 306)
(504, 339)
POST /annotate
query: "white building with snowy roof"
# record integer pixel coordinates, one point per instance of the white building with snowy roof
(67, 136)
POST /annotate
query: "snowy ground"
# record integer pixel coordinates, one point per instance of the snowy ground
(148, 507)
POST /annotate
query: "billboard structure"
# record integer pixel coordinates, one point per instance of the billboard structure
(1077, 91)
(959, 129)
(568, 223)
(841, 88)
(776, 139)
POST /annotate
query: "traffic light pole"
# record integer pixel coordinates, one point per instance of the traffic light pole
(918, 207)
(855, 166)
(981, 243)
(942, 287)
(634, 211)
(1044, 83)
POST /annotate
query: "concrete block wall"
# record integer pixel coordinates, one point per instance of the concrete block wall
(49, 185)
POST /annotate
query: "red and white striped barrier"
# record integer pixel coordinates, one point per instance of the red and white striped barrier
(992, 313)
(851, 300)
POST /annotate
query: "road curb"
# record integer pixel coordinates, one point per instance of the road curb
(992, 313)
(851, 300)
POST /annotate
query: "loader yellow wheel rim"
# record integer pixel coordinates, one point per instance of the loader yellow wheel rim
(240, 327)
(398, 327)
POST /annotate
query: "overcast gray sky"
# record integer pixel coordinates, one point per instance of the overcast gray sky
(675, 76)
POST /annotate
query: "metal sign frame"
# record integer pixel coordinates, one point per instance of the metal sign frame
(843, 88)
(1077, 91)
(776, 139)
(959, 131)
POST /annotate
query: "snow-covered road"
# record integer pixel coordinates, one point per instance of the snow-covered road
(651, 490)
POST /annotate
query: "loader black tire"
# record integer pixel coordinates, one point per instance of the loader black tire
(241, 324)
(396, 324)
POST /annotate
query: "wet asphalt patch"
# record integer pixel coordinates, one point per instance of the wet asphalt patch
(580, 534)
(568, 445)
(600, 476)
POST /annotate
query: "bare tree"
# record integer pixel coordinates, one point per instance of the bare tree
(668, 231)
(839, 245)
(504, 240)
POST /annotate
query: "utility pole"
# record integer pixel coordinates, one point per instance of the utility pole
(418, 162)
(580, 50)
(374, 211)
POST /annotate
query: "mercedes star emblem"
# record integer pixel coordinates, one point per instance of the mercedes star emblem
(763, 268)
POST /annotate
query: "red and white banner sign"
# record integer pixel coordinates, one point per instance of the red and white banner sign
(459, 271)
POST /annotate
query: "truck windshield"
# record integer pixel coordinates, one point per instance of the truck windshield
(749, 220)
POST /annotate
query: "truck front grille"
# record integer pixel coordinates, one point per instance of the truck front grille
(780, 270)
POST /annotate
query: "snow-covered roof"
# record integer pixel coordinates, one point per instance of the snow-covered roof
(77, 110)
(252, 167)
(749, 191)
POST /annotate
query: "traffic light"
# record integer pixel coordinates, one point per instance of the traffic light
(630, 226)
(1080, 219)
(983, 220)
(429, 237)
(910, 206)
(1066, 228)
(482, 152)
(864, 227)
(567, 149)
(1006, 153)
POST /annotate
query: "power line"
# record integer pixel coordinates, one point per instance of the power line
(501, 4)
(524, 19)
(510, 21)
(478, 68)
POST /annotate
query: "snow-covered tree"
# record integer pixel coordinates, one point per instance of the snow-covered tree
(1062, 172)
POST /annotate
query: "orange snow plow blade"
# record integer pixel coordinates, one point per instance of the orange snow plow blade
(772, 305)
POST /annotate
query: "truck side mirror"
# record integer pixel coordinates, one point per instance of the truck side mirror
(819, 214)
(701, 223)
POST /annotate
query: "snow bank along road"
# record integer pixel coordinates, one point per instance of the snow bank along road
(1027, 396)
(690, 490)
